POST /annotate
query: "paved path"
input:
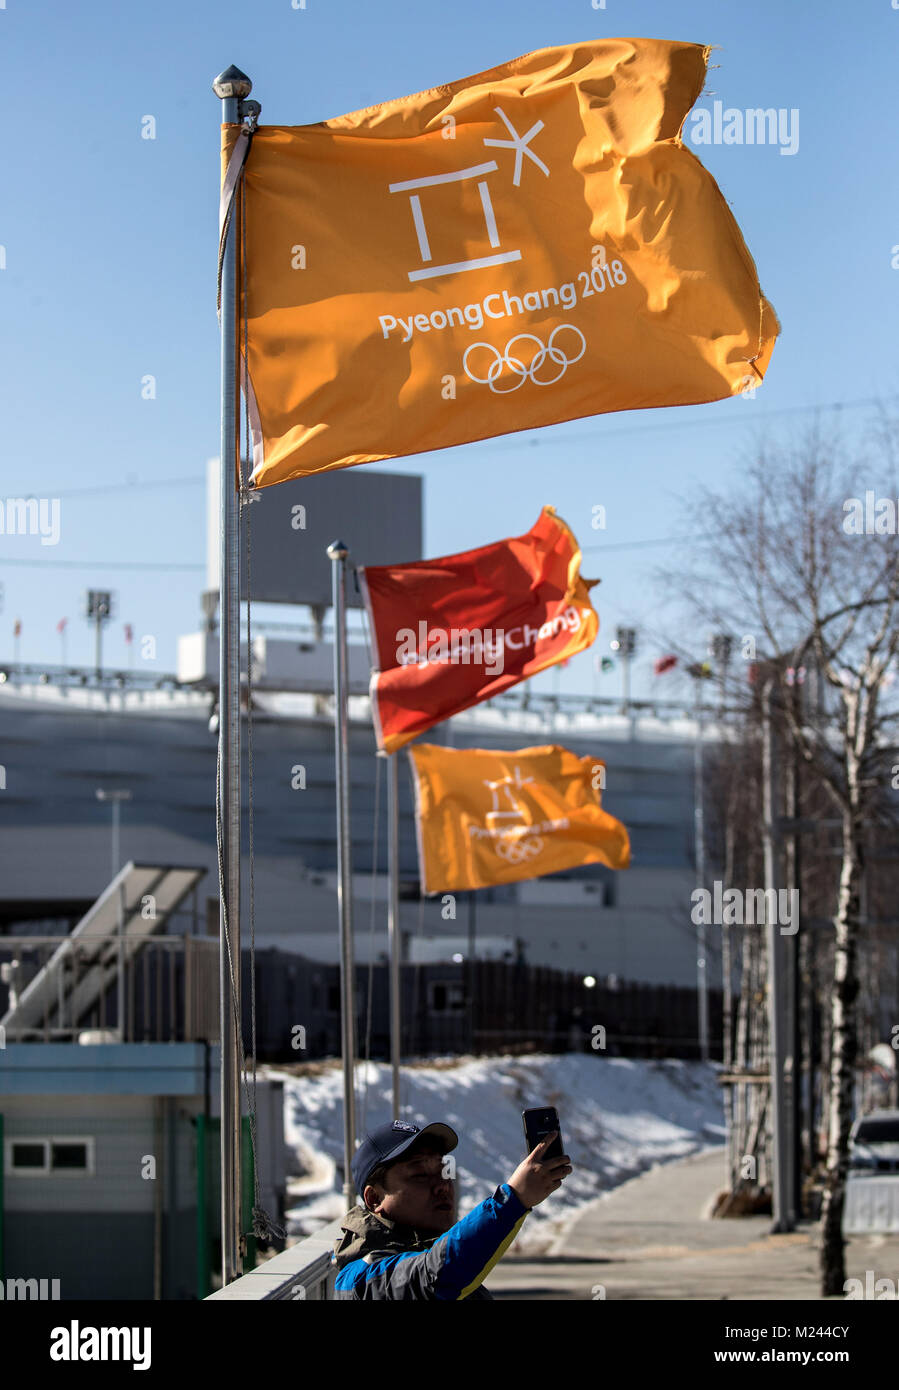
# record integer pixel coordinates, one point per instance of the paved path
(648, 1239)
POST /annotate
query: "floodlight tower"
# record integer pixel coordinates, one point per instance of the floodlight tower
(98, 610)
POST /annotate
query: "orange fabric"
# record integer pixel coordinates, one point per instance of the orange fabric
(529, 245)
(451, 632)
(489, 817)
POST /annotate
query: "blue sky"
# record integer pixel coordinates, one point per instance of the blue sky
(110, 245)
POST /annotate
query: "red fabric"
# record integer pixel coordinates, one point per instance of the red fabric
(528, 587)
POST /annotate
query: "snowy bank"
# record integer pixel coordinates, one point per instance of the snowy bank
(618, 1116)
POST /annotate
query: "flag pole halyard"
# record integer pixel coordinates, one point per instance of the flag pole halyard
(231, 86)
(393, 922)
(337, 554)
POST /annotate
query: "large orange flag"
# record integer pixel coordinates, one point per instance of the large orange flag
(489, 817)
(530, 245)
(451, 632)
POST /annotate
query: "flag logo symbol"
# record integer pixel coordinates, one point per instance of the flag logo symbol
(526, 371)
(521, 145)
(487, 817)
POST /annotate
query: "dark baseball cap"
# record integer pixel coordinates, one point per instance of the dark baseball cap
(389, 1142)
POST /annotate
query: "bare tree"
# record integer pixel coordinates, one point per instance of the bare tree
(805, 563)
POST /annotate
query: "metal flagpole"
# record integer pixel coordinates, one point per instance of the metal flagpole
(231, 86)
(393, 922)
(337, 554)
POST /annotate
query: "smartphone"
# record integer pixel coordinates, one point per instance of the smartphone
(537, 1124)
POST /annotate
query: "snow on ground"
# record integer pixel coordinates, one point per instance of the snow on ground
(618, 1116)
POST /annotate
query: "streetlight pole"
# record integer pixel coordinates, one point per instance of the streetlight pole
(784, 1215)
(115, 796)
(702, 973)
(625, 644)
(98, 611)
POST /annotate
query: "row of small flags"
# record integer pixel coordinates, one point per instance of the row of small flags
(703, 670)
(63, 624)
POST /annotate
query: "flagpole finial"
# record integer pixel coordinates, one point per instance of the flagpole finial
(338, 550)
(232, 83)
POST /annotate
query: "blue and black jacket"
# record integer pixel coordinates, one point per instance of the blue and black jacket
(379, 1259)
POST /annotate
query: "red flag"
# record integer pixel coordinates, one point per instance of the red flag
(449, 633)
(663, 664)
(128, 634)
(61, 625)
(17, 628)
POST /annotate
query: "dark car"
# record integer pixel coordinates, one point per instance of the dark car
(874, 1143)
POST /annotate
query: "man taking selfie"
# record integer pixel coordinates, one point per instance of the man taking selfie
(404, 1240)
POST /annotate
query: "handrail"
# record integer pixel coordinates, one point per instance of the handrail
(302, 1272)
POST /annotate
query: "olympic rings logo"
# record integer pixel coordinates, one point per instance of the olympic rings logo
(519, 851)
(522, 370)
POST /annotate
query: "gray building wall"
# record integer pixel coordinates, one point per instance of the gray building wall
(58, 747)
(96, 1232)
(101, 1233)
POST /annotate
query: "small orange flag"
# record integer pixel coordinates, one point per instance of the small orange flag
(529, 245)
(451, 632)
(488, 817)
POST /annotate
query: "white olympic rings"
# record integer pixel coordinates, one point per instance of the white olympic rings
(517, 851)
(525, 372)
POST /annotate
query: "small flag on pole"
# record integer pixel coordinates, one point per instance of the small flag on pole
(451, 632)
(526, 246)
(129, 634)
(61, 626)
(488, 817)
(17, 628)
(663, 664)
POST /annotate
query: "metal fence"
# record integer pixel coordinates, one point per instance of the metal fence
(475, 1007)
(170, 988)
(171, 994)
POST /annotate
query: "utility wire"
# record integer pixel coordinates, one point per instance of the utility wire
(102, 564)
(134, 485)
(635, 545)
(599, 435)
(141, 565)
(595, 436)
(195, 480)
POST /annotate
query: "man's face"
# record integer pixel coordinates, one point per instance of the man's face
(415, 1192)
